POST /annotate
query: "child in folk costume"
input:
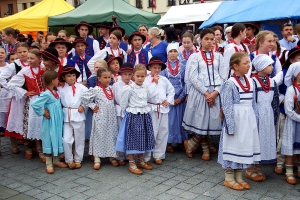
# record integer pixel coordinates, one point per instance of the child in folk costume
(139, 55)
(175, 73)
(114, 64)
(50, 60)
(115, 38)
(10, 36)
(264, 45)
(74, 116)
(267, 99)
(105, 127)
(159, 107)
(92, 82)
(201, 116)
(136, 131)
(63, 47)
(31, 77)
(12, 57)
(48, 104)
(291, 140)
(239, 143)
(81, 60)
(252, 30)
(14, 128)
(238, 33)
(126, 73)
(293, 56)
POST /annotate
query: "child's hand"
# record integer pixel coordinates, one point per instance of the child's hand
(177, 101)
(96, 109)
(155, 78)
(46, 114)
(30, 94)
(81, 109)
(165, 104)
(211, 104)
(84, 83)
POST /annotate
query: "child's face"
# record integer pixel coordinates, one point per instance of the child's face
(268, 44)
(62, 35)
(155, 69)
(97, 66)
(295, 59)
(139, 77)
(268, 69)
(2, 54)
(173, 54)
(22, 53)
(55, 82)
(250, 32)
(49, 64)
(61, 49)
(105, 78)
(243, 67)
(71, 39)
(12, 58)
(113, 40)
(114, 66)
(126, 76)
(207, 41)
(33, 60)
(137, 42)
(187, 43)
(50, 38)
(80, 48)
(70, 78)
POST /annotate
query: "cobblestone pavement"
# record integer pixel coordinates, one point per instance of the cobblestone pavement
(179, 177)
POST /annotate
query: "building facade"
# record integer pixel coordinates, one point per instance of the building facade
(24, 4)
(8, 7)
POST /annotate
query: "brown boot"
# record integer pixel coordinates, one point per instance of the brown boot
(28, 154)
(206, 153)
(49, 165)
(58, 163)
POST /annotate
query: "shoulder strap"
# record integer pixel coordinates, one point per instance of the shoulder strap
(17, 67)
(256, 91)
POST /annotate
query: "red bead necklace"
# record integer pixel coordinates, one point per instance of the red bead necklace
(266, 87)
(174, 71)
(298, 88)
(55, 94)
(23, 64)
(112, 51)
(108, 96)
(208, 61)
(244, 88)
(38, 74)
(185, 56)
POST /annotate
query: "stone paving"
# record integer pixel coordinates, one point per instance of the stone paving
(179, 177)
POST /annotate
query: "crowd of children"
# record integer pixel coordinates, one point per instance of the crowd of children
(137, 104)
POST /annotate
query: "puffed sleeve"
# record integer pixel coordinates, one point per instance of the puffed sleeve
(39, 103)
(289, 104)
(226, 94)
(15, 85)
(126, 94)
(87, 98)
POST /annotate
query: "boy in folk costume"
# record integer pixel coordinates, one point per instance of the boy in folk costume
(104, 28)
(74, 116)
(160, 108)
(63, 47)
(138, 55)
(251, 31)
(81, 60)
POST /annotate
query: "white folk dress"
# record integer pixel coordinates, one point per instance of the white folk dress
(5, 98)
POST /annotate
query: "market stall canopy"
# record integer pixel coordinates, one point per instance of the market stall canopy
(250, 10)
(189, 13)
(95, 11)
(35, 18)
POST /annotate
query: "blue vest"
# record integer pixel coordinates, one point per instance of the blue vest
(89, 50)
(273, 74)
(282, 90)
(70, 62)
(143, 57)
(83, 64)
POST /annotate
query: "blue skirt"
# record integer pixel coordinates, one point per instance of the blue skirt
(136, 134)
(88, 123)
(176, 133)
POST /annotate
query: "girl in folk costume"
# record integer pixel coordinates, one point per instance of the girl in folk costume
(157, 47)
(114, 64)
(136, 131)
(12, 57)
(139, 55)
(175, 73)
(81, 60)
(239, 143)
(238, 33)
(126, 73)
(63, 47)
(92, 82)
(31, 77)
(48, 105)
(123, 45)
(74, 117)
(50, 60)
(105, 127)
(14, 128)
(160, 107)
(9, 35)
(264, 45)
(143, 29)
(291, 140)
(251, 31)
(114, 49)
(293, 56)
(267, 99)
(201, 116)
(219, 46)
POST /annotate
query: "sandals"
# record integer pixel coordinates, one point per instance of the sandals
(60, 165)
(290, 179)
(186, 146)
(245, 185)
(157, 161)
(42, 157)
(144, 165)
(253, 176)
(135, 170)
(77, 165)
(121, 162)
(97, 165)
(15, 150)
(206, 155)
(114, 162)
(169, 149)
(71, 165)
(50, 170)
(278, 170)
(233, 185)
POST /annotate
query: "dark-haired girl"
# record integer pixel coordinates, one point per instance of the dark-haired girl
(10, 35)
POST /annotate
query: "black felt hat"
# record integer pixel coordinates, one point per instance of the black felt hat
(136, 33)
(90, 27)
(51, 54)
(117, 28)
(156, 60)
(61, 41)
(68, 69)
(104, 24)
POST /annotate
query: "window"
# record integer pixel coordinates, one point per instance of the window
(10, 9)
(24, 6)
(139, 3)
(171, 2)
(32, 4)
(150, 3)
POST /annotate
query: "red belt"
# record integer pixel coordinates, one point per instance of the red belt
(157, 108)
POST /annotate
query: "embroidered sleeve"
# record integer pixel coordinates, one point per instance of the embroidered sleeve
(88, 97)
(227, 105)
(289, 104)
(275, 103)
(39, 103)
